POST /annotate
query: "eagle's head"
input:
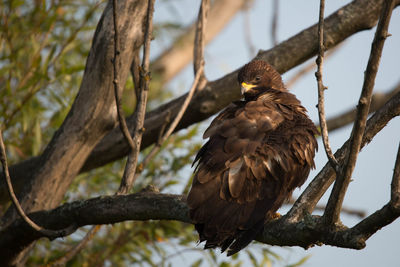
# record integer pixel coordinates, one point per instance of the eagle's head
(257, 77)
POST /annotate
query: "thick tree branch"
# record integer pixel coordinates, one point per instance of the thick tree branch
(354, 17)
(332, 211)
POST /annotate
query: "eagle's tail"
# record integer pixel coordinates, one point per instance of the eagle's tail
(244, 238)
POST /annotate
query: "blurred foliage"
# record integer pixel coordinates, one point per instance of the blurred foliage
(43, 50)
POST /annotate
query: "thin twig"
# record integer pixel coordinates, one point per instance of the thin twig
(332, 212)
(162, 129)
(135, 72)
(321, 88)
(395, 186)
(274, 24)
(199, 40)
(173, 125)
(116, 63)
(72, 252)
(130, 167)
(46, 232)
(198, 66)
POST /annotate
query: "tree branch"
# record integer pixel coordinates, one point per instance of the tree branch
(321, 88)
(116, 64)
(199, 40)
(332, 212)
(395, 186)
(274, 23)
(144, 81)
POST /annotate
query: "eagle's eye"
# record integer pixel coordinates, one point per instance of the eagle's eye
(258, 78)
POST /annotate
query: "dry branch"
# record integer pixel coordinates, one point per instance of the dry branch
(198, 65)
(128, 177)
(322, 88)
(274, 23)
(332, 211)
(116, 65)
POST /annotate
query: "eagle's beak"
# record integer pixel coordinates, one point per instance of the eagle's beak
(245, 87)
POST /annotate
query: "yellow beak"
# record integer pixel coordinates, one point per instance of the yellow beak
(246, 87)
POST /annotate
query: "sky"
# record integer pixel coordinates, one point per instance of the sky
(343, 75)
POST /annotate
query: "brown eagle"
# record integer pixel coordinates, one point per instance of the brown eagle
(259, 150)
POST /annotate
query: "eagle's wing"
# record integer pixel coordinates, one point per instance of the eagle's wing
(246, 170)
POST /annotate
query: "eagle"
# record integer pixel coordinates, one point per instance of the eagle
(259, 150)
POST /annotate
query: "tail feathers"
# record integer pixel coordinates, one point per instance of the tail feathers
(227, 243)
(245, 237)
(234, 242)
